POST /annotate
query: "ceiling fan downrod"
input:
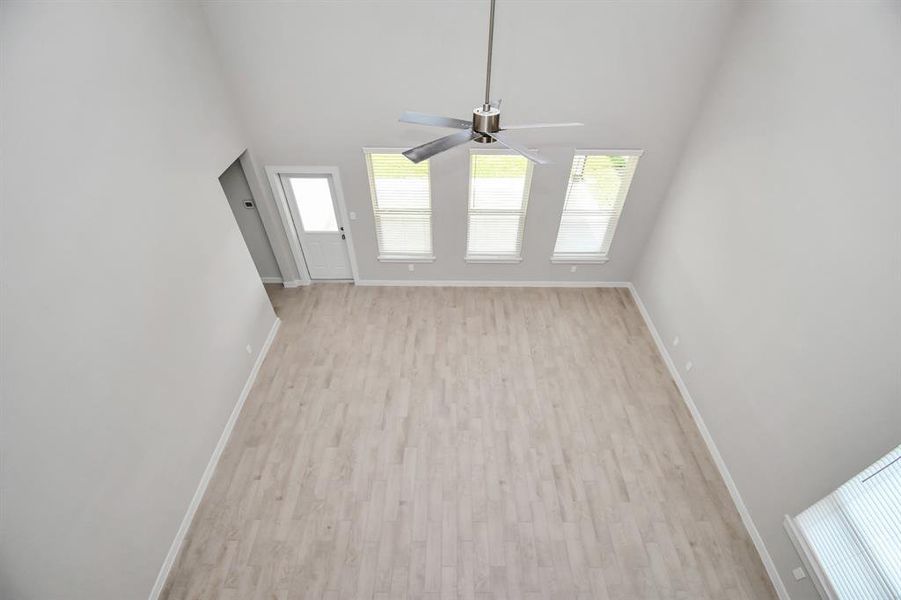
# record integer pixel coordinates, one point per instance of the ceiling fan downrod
(487, 119)
(485, 126)
(487, 105)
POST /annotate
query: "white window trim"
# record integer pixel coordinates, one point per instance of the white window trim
(406, 258)
(397, 258)
(581, 259)
(593, 258)
(498, 258)
(811, 564)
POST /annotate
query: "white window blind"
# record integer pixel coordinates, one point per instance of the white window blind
(498, 197)
(401, 205)
(598, 185)
(854, 533)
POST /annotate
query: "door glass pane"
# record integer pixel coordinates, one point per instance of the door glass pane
(314, 203)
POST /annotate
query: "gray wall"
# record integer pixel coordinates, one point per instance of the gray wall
(317, 81)
(234, 184)
(776, 256)
(127, 293)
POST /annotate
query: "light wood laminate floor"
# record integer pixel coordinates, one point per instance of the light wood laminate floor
(465, 443)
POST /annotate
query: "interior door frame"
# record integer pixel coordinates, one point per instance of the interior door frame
(274, 174)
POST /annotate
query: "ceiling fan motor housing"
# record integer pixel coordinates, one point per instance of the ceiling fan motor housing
(486, 120)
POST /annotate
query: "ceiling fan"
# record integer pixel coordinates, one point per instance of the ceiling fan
(485, 126)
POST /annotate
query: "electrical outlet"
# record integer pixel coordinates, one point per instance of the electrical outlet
(799, 573)
(573, 268)
(249, 349)
(676, 341)
(688, 366)
(411, 267)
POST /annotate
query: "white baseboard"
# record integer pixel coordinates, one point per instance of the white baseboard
(293, 283)
(211, 466)
(271, 279)
(477, 283)
(765, 557)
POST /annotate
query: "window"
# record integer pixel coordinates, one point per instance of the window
(498, 195)
(852, 537)
(401, 205)
(598, 185)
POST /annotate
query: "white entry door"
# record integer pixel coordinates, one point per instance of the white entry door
(311, 199)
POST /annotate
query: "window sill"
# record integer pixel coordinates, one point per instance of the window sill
(494, 259)
(406, 259)
(579, 260)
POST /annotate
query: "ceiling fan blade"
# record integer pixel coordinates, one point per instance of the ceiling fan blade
(541, 125)
(430, 149)
(434, 120)
(504, 140)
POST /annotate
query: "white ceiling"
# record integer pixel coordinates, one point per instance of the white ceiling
(317, 81)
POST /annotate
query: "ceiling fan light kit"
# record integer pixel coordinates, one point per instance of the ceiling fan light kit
(484, 128)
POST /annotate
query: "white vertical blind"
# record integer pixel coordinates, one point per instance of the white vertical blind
(401, 204)
(854, 533)
(598, 185)
(498, 197)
